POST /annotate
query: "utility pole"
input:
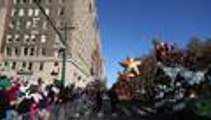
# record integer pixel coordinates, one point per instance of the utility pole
(64, 52)
(63, 39)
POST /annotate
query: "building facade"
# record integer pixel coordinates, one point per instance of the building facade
(31, 47)
(2, 21)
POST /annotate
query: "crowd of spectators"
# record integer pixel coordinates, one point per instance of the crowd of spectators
(23, 100)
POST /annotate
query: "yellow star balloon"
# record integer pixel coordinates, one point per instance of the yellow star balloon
(131, 65)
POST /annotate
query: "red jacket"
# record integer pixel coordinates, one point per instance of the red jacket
(12, 93)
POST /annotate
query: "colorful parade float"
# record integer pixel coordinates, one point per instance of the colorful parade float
(167, 80)
(124, 88)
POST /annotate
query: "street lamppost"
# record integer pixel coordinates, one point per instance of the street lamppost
(64, 42)
(64, 51)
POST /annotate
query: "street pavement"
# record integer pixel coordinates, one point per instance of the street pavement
(125, 111)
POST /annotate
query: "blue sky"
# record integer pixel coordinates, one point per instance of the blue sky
(128, 26)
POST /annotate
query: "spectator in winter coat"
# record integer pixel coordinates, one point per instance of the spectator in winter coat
(114, 98)
(3, 104)
(12, 97)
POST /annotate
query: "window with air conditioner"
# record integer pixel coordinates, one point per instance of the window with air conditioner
(33, 38)
(9, 38)
(26, 38)
(17, 38)
(13, 12)
(55, 70)
(60, 11)
(43, 38)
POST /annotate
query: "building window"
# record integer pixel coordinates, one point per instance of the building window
(9, 38)
(40, 81)
(57, 40)
(13, 12)
(96, 24)
(30, 12)
(47, 11)
(17, 38)
(56, 64)
(30, 66)
(55, 70)
(6, 64)
(14, 1)
(12, 24)
(90, 7)
(79, 78)
(56, 54)
(28, 24)
(9, 51)
(25, 1)
(33, 38)
(43, 38)
(41, 66)
(18, 24)
(43, 51)
(45, 23)
(21, 13)
(17, 53)
(36, 12)
(13, 65)
(26, 51)
(35, 22)
(24, 64)
(60, 11)
(32, 51)
(26, 38)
